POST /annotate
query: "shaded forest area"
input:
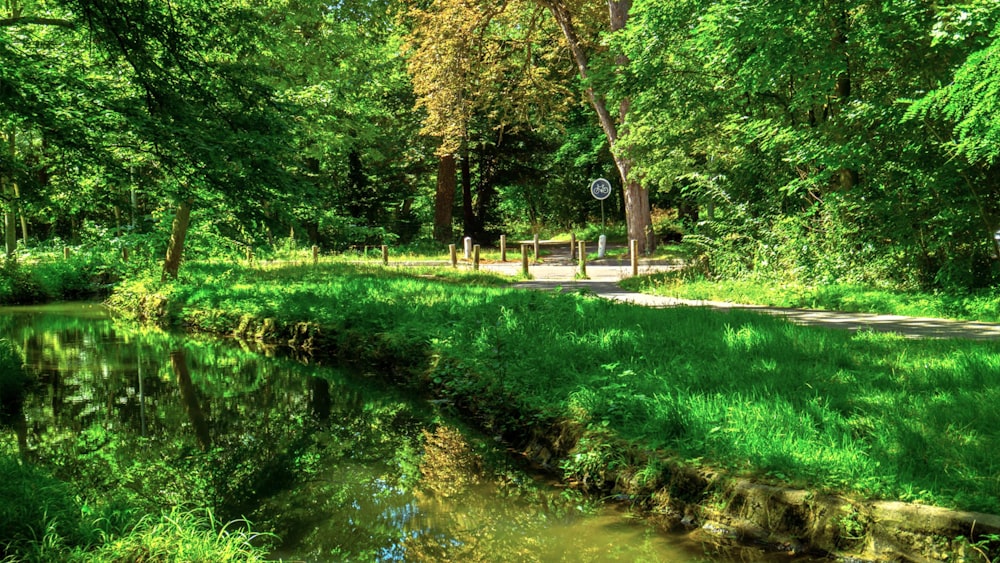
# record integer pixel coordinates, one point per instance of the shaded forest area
(849, 140)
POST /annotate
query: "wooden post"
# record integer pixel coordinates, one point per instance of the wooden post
(124, 254)
(454, 255)
(65, 253)
(524, 260)
(536, 248)
(503, 248)
(583, 259)
(385, 255)
(634, 253)
(315, 255)
(572, 245)
(475, 257)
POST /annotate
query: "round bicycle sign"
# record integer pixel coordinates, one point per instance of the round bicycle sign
(600, 188)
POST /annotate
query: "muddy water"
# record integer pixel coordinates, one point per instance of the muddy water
(336, 466)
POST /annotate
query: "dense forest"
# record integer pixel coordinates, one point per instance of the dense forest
(833, 139)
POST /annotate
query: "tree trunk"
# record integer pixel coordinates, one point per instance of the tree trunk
(9, 224)
(468, 217)
(444, 199)
(189, 397)
(637, 211)
(178, 232)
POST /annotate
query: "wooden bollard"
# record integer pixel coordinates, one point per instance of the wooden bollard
(124, 254)
(524, 260)
(385, 255)
(583, 259)
(315, 255)
(572, 245)
(453, 254)
(536, 248)
(475, 257)
(65, 253)
(634, 252)
(503, 248)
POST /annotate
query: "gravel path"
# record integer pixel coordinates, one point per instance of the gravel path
(559, 272)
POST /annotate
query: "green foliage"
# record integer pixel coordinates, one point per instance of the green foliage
(50, 277)
(34, 505)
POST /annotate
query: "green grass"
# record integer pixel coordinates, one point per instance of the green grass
(41, 521)
(872, 415)
(979, 306)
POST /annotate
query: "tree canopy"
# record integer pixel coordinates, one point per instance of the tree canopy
(846, 139)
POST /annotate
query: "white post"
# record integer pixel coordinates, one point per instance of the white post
(467, 247)
(602, 245)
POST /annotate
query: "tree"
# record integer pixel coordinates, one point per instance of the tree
(482, 72)
(569, 16)
(787, 114)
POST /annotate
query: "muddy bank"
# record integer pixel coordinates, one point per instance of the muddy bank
(676, 493)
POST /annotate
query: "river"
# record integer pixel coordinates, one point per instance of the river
(338, 466)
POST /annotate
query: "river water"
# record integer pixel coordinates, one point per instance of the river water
(339, 467)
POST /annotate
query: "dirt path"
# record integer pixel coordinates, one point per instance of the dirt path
(559, 272)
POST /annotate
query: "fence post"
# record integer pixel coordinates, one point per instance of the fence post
(634, 253)
(583, 259)
(503, 248)
(536, 248)
(315, 255)
(385, 255)
(453, 254)
(475, 257)
(65, 253)
(524, 260)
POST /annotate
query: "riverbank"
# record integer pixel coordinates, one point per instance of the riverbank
(704, 418)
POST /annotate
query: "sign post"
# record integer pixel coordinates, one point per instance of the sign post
(601, 189)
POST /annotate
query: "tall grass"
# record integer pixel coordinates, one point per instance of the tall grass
(41, 521)
(869, 414)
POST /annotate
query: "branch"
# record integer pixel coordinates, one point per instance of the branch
(34, 20)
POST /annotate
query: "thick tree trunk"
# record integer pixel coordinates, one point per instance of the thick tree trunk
(178, 232)
(637, 210)
(444, 199)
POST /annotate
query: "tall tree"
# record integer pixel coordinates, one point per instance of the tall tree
(572, 17)
(482, 71)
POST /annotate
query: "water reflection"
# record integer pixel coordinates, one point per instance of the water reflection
(338, 466)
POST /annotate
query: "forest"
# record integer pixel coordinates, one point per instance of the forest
(818, 140)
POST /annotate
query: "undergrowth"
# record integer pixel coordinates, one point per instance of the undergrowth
(41, 520)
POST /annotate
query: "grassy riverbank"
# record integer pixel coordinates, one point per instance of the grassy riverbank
(871, 415)
(973, 306)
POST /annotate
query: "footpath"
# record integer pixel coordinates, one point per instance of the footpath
(558, 273)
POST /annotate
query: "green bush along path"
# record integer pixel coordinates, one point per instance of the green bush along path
(869, 414)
